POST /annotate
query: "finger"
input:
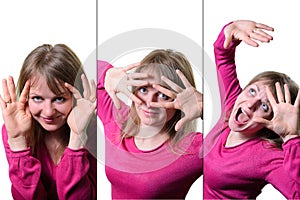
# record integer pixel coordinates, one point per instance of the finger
(93, 90)
(25, 92)
(115, 100)
(297, 101)
(137, 83)
(173, 85)
(228, 39)
(279, 92)
(74, 91)
(264, 26)
(131, 66)
(165, 91)
(134, 98)
(185, 82)
(6, 95)
(180, 123)
(287, 94)
(263, 121)
(86, 87)
(2, 103)
(247, 39)
(270, 96)
(266, 36)
(12, 89)
(137, 75)
(162, 104)
(259, 37)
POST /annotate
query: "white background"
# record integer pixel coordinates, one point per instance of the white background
(27, 24)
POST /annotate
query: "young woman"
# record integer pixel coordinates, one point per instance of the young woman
(46, 126)
(151, 152)
(256, 141)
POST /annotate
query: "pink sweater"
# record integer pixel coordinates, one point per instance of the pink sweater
(240, 172)
(37, 177)
(134, 174)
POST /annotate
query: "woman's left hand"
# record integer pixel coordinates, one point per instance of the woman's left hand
(81, 113)
(285, 121)
(188, 99)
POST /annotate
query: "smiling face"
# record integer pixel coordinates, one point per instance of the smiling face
(250, 104)
(48, 109)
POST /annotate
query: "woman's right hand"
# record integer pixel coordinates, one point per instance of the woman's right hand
(247, 31)
(16, 115)
(118, 80)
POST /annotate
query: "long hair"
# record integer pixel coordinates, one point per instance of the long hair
(163, 62)
(270, 78)
(57, 64)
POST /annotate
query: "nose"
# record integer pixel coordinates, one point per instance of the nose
(151, 97)
(48, 109)
(251, 103)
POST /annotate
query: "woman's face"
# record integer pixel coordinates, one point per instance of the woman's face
(152, 116)
(48, 109)
(251, 103)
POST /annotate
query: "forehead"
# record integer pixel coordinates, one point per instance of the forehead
(39, 84)
(259, 87)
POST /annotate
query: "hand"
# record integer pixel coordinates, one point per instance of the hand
(285, 121)
(81, 113)
(247, 31)
(188, 100)
(117, 80)
(16, 115)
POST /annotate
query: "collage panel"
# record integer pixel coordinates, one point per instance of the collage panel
(44, 45)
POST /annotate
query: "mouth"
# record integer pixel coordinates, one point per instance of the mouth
(242, 117)
(149, 112)
(49, 120)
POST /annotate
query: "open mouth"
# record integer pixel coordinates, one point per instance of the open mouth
(241, 117)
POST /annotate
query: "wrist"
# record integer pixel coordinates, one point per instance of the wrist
(77, 141)
(17, 143)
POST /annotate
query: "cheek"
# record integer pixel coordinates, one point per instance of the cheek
(34, 107)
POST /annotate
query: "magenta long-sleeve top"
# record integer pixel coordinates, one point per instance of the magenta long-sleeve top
(240, 172)
(37, 177)
(160, 173)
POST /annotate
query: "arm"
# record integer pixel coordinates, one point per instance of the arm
(231, 36)
(76, 175)
(24, 172)
(282, 169)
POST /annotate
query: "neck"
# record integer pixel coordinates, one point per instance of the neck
(55, 145)
(236, 138)
(149, 138)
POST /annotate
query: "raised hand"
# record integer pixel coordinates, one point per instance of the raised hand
(81, 113)
(187, 99)
(247, 31)
(118, 80)
(16, 115)
(285, 121)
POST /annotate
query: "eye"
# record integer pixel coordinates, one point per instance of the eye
(37, 99)
(252, 91)
(163, 96)
(265, 107)
(143, 90)
(59, 99)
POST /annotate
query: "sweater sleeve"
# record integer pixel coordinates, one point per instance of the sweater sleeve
(76, 175)
(284, 173)
(111, 117)
(24, 172)
(229, 85)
